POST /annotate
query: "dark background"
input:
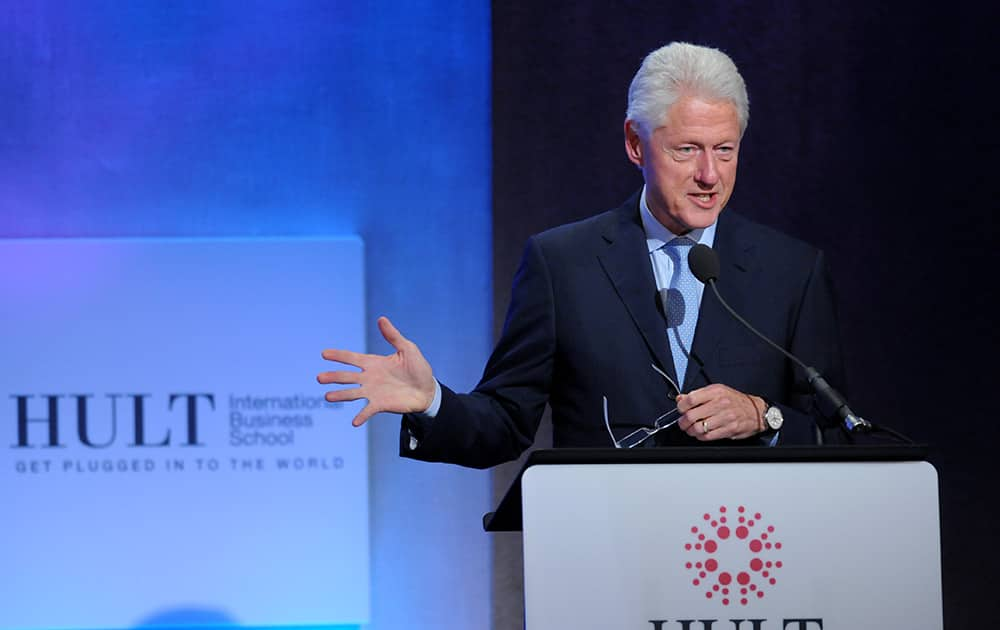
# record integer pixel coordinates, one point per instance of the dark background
(872, 135)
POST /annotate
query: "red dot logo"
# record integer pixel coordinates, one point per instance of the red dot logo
(733, 566)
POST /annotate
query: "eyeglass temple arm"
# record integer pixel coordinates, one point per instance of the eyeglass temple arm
(666, 376)
(607, 423)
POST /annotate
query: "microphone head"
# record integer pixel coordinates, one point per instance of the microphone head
(704, 263)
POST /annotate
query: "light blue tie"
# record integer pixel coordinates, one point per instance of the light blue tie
(681, 304)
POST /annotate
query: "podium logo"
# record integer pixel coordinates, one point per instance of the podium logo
(733, 556)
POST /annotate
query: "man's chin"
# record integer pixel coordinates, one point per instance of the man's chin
(700, 218)
(689, 219)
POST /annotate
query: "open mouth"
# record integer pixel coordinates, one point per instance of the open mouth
(703, 199)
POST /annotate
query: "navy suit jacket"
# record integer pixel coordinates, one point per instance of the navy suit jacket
(584, 322)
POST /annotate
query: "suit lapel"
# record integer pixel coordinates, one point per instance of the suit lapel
(625, 259)
(737, 256)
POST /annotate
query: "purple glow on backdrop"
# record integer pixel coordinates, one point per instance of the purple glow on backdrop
(56, 281)
(171, 116)
(151, 118)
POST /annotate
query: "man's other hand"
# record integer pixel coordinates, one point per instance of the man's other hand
(718, 412)
(402, 382)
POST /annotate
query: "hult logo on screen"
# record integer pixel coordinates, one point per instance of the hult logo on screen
(56, 420)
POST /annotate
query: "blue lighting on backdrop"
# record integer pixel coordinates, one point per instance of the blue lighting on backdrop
(293, 118)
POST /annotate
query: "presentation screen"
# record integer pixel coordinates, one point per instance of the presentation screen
(167, 455)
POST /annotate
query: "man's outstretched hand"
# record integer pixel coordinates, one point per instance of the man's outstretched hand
(402, 382)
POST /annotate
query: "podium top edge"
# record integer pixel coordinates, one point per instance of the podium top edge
(507, 516)
(726, 454)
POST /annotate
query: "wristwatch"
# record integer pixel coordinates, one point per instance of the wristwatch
(773, 419)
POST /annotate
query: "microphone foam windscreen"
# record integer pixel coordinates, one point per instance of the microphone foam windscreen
(704, 263)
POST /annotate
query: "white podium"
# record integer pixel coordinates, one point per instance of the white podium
(728, 538)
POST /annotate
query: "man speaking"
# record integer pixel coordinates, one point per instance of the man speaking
(608, 325)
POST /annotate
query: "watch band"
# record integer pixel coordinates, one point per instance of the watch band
(761, 422)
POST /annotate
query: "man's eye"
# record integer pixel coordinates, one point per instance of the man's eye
(725, 152)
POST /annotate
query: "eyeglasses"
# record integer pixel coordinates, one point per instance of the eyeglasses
(640, 435)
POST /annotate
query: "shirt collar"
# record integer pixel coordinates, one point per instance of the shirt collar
(657, 235)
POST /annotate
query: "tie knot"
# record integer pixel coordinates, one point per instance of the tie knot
(678, 250)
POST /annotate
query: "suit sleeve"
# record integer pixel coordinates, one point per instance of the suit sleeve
(498, 420)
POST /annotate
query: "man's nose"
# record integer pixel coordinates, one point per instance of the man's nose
(707, 172)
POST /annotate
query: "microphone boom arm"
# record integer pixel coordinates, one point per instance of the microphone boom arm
(852, 422)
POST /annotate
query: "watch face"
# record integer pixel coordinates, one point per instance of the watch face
(774, 418)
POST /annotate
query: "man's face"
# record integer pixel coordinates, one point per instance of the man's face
(689, 163)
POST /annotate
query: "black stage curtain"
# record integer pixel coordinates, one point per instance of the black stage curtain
(872, 135)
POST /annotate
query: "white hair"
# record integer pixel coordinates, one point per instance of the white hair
(680, 69)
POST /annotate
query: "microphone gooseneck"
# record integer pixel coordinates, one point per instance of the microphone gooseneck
(704, 264)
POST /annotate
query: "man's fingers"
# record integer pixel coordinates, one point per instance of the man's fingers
(396, 382)
(364, 414)
(349, 394)
(344, 395)
(345, 356)
(725, 423)
(699, 396)
(692, 416)
(391, 334)
(339, 378)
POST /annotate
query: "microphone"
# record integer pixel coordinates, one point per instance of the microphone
(704, 264)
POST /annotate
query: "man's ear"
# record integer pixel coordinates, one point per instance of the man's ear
(633, 144)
